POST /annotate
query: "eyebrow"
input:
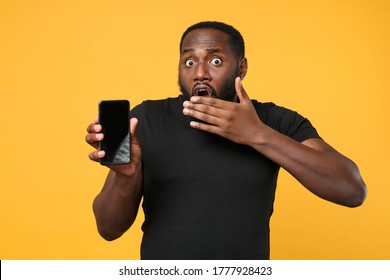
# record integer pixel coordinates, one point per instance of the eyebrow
(209, 50)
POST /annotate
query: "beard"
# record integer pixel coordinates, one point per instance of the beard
(227, 92)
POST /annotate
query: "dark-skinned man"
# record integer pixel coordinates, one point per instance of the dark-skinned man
(206, 163)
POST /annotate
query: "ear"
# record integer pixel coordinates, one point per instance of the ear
(243, 68)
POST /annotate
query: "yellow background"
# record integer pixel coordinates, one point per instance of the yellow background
(327, 59)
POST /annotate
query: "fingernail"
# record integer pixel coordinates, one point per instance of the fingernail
(194, 124)
(195, 99)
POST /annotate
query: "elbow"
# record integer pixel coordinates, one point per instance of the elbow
(105, 230)
(104, 227)
(355, 189)
(107, 235)
(358, 196)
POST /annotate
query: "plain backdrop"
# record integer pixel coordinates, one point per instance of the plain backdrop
(328, 59)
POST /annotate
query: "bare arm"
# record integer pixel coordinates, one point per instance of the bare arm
(314, 163)
(317, 166)
(116, 206)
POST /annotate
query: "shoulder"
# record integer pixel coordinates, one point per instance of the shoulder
(286, 121)
(269, 111)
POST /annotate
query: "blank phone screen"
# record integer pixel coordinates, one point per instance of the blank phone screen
(115, 122)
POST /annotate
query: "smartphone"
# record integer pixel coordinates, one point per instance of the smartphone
(114, 117)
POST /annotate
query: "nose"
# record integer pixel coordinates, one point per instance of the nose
(202, 73)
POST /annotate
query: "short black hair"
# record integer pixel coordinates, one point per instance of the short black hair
(236, 39)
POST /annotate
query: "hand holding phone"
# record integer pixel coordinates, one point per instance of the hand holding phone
(114, 117)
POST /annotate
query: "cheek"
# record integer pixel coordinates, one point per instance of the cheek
(184, 81)
(220, 78)
(184, 72)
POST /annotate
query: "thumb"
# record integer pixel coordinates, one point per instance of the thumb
(241, 93)
(133, 130)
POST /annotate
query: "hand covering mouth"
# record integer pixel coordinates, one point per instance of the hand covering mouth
(202, 90)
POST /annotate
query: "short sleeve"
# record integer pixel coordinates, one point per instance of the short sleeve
(286, 121)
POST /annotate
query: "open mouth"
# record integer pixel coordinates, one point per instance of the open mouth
(202, 90)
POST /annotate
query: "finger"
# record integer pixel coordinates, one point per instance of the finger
(191, 109)
(96, 119)
(209, 101)
(204, 113)
(133, 126)
(133, 130)
(241, 93)
(93, 139)
(94, 128)
(96, 156)
(205, 127)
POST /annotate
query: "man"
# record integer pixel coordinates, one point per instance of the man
(206, 162)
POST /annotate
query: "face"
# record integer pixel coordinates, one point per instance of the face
(208, 65)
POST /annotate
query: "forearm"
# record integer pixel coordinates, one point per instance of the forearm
(319, 167)
(316, 165)
(116, 207)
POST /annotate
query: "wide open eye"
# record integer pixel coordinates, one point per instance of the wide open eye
(216, 61)
(189, 62)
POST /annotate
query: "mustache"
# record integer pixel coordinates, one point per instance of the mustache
(227, 92)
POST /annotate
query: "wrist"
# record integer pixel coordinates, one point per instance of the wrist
(125, 184)
(261, 137)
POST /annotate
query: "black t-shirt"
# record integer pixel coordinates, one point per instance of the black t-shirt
(206, 197)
